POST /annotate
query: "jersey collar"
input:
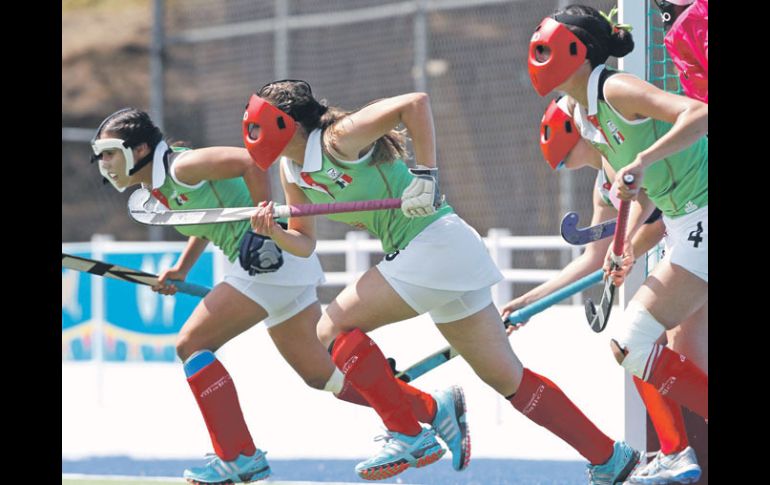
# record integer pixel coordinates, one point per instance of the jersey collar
(158, 167)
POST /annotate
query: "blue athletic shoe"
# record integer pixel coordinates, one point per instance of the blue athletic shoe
(399, 452)
(243, 469)
(617, 468)
(451, 425)
(679, 467)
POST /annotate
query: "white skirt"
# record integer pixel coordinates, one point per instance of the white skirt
(687, 242)
(447, 255)
(295, 271)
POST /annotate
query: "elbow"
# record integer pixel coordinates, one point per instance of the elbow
(306, 251)
(418, 103)
(421, 100)
(698, 116)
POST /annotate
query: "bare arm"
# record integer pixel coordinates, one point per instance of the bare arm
(640, 211)
(217, 163)
(591, 260)
(299, 239)
(190, 254)
(357, 131)
(636, 99)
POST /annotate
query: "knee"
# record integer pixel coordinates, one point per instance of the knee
(185, 346)
(187, 343)
(504, 381)
(635, 338)
(315, 381)
(198, 361)
(326, 332)
(345, 345)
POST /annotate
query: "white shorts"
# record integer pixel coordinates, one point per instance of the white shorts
(283, 293)
(443, 305)
(447, 255)
(687, 242)
(445, 270)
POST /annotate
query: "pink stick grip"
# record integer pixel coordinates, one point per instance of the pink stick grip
(301, 210)
(620, 228)
(622, 222)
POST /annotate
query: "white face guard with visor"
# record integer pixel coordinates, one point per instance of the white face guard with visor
(112, 171)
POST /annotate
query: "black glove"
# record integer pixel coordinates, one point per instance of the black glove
(259, 254)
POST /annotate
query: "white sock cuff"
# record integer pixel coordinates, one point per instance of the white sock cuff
(334, 385)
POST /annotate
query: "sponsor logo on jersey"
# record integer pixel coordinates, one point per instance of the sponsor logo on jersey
(339, 178)
(616, 134)
(690, 207)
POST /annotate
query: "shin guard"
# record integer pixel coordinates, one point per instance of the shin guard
(217, 399)
(674, 376)
(543, 402)
(666, 417)
(367, 370)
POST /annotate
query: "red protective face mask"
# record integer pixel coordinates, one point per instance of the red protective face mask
(266, 131)
(567, 54)
(558, 135)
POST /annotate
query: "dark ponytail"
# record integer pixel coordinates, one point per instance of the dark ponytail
(295, 98)
(600, 34)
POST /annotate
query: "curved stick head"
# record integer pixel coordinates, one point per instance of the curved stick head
(138, 200)
(599, 316)
(569, 228)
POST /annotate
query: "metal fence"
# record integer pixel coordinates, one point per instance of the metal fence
(469, 55)
(112, 320)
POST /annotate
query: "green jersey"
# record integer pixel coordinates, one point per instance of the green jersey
(207, 194)
(677, 184)
(324, 179)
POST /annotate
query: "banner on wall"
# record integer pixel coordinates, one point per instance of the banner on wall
(137, 324)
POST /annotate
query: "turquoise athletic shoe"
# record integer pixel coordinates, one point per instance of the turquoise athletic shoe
(618, 467)
(451, 425)
(243, 469)
(399, 452)
(679, 467)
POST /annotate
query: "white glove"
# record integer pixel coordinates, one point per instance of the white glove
(421, 198)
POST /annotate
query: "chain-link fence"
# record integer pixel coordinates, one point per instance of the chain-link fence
(469, 55)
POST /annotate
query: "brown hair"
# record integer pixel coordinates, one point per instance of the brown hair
(295, 98)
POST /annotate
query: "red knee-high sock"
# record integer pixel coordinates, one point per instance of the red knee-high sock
(666, 417)
(423, 405)
(214, 390)
(543, 402)
(364, 365)
(674, 376)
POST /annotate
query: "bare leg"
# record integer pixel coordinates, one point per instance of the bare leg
(367, 304)
(223, 314)
(297, 342)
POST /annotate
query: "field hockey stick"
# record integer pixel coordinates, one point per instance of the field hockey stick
(578, 236)
(156, 215)
(114, 271)
(521, 315)
(599, 316)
